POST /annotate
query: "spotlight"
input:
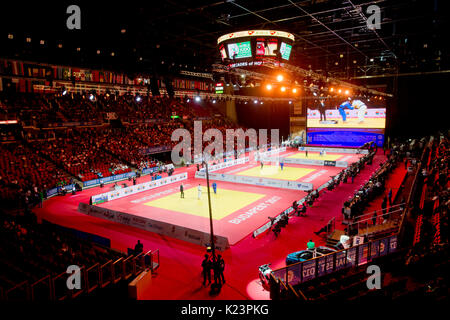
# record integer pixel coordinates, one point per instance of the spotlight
(347, 92)
(294, 90)
(256, 101)
(280, 78)
(331, 89)
(290, 102)
(188, 100)
(269, 87)
(91, 97)
(262, 102)
(64, 92)
(197, 99)
(315, 94)
(138, 99)
(283, 89)
(339, 91)
(214, 101)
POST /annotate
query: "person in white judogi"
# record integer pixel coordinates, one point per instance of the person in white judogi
(199, 188)
(361, 107)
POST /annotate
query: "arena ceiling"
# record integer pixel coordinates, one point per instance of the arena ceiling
(332, 36)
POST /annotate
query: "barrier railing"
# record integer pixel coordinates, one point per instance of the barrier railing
(354, 256)
(46, 284)
(155, 260)
(129, 267)
(364, 224)
(18, 292)
(117, 270)
(105, 274)
(92, 278)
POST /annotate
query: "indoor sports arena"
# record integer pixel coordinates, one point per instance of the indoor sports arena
(242, 150)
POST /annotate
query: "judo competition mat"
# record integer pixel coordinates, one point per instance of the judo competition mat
(237, 210)
(290, 173)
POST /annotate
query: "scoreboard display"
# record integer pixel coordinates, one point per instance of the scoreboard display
(246, 47)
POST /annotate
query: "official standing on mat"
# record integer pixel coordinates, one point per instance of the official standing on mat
(214, 185)
(322, 111)
(182, 191)
(281, 165)
(199, 188)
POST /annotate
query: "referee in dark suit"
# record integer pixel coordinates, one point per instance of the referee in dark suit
(322, 110)
(182, 191)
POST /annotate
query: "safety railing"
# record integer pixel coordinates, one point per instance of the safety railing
(20, 291)
(129, 267)
(92, 278)
(155, 260)
(105, 274)
(364, 224)
(117, 270)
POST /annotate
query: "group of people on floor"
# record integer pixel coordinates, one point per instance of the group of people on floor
(213, 266)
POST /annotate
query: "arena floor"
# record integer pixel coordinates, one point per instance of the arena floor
(238, 209)
(179, 276)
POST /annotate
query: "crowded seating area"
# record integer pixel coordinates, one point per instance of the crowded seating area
(419, 268)
(24, 174)
(79, 154)
(53, 157)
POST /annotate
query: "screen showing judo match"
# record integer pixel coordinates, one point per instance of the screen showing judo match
(346, 122)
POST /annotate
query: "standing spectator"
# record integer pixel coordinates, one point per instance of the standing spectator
(310, 245)
(138, 248)
(206, 269)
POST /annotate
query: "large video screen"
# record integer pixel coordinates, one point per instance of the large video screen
(285, 50)
(239, 50)
(223, 52)
(346, 122)
(266, 48)
(354, 113)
